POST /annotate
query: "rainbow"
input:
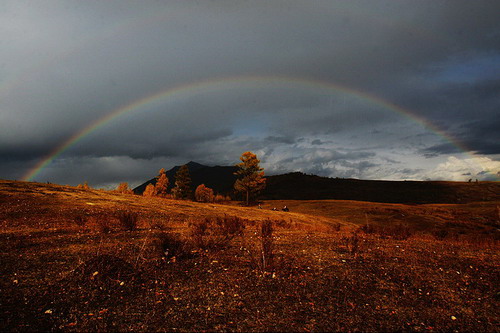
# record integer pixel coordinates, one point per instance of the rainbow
(226, 83)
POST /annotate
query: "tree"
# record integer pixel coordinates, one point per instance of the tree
(161, 185)
(84, 186)
(149, 191)
(251, 176)
(182, 189)
(123, 188)
(204, 194)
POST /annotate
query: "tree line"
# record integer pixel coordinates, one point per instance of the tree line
(249, 184)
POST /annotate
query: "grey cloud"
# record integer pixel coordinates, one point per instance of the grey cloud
(67, 65)
(436, 150)
(280, 139)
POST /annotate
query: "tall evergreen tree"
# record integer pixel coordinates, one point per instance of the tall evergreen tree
(161, 185)
(251, 176)
(182, 189)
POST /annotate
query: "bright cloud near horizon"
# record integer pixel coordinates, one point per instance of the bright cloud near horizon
(112, 91)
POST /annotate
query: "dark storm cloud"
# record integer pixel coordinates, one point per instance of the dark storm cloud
(474, 108)
(316, 142)
(280, 139)
(66, 65)
(436, 150)
(141, 146)
(482, 136)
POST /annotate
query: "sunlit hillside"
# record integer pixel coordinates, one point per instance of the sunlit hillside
(87, 260)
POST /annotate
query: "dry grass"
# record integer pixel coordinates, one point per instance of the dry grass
(61, 273)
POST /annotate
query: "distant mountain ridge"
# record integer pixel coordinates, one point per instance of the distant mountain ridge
(300, 186)
(219, 178)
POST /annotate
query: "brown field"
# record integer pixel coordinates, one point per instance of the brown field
(77, 260)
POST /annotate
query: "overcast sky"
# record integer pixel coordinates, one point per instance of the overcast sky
(311, 86)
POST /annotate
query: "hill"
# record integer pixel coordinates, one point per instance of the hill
(219, 178)
(299, 186)
(79, 260)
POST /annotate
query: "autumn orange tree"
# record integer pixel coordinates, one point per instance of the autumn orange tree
(251, 176)
(123, 188)
(161, 185)
(84, 186)
(149, 191)
(204, 194)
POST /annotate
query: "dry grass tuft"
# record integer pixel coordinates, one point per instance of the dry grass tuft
(173, 247)
(398, 231)
(215, 232)
(128, 220)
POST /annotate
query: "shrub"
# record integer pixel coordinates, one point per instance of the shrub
(367, 228)
(267, 242)
(199, 231)
(230, 226)
(222, 198)
(172, 246)
(336, 226)
(149, 191)
(84, 186)
(123, 188)
(128, 220)
(215, 232)
(352, 243)
(103, 224)
(399, 231)
(80, 220)
(159, 224)
(204, 194)
(219, 198)
(261, 251)
(440, 234)
(283, 224)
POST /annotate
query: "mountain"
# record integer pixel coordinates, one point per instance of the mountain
(300, 186)
(219, 178)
